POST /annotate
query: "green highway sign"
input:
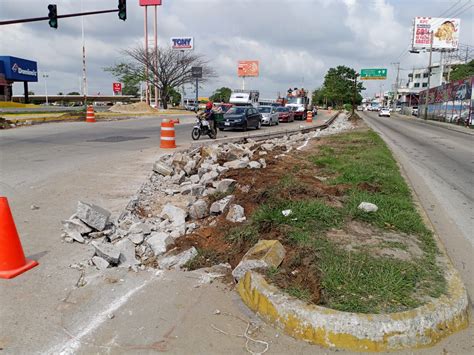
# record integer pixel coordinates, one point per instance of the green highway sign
(373, 74)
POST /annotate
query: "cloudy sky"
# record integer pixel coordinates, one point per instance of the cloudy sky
(296, 41)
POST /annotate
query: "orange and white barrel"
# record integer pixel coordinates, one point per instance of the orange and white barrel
(90, 117)
(168, 136)
(309, 117)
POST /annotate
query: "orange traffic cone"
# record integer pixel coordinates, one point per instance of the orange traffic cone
(309, 117)
(12, 259)
(168, 136)
(90, 114)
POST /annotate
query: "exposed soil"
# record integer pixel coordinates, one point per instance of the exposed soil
(139, 107)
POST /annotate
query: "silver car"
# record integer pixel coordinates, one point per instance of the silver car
(269, 115)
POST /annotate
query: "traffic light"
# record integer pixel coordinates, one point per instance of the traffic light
(122, 6)
(53, 16)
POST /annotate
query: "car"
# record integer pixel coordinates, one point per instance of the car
(414, 111)
(242, 117)
(360, 108)
(285, 114)
(384, 111)
(269, 115)
(398, 109)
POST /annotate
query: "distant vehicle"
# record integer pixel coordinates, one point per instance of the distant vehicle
(190, 107)
(384, 111)
(414, 111)
(269, 115)
(224, 106)
(300, 101)
(244, 97)
(241, 117)
(285, 114)
(398, 109)
(360, 108)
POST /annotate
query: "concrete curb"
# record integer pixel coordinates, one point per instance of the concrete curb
(264, 136)
(421, 327)
(417, 328)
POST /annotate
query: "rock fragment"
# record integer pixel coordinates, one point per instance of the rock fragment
(177, 261)
(199, 210)
(107, 251)
(236, 214)
(219, 207)
(159, 241)
(162, 169)
(368, 207)
(100, 263)
(92, 215)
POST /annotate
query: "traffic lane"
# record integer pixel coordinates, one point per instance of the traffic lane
(443, 159)
(31, 155)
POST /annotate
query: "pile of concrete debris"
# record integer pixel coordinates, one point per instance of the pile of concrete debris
(175, 201)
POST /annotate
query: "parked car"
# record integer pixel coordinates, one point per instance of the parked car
(414, 111)
(285, 114)
(360, 108)
(398, 109)
(384, 111)
(269, 115)
(242, 117)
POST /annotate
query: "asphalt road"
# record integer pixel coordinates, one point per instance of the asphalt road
(440, 164)
(53, 166)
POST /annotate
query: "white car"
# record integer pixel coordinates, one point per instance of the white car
(269, 115)
(384, 112)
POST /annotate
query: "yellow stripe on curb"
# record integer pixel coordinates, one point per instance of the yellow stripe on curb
(417, 328)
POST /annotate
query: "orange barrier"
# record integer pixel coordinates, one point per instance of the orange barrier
(90, 114)
(12, 258)
(168, 137)
(176, 121)
(309, 117)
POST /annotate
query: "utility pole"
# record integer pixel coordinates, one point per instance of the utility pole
(395, 97)
(429, 77)
(354, 93)
(147, 86)
(84, 74)
(156, 57)
(46, 76)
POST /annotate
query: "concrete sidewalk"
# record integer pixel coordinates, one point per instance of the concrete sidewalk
(446, 125)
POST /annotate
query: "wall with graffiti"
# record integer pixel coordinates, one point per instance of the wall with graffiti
(452, 102)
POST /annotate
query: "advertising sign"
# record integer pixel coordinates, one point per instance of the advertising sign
(196, 72)
(373, 74)
(445, 33)
(247, 68)
(18, 69)
(182, 43)
(117, 87)
(150, 2)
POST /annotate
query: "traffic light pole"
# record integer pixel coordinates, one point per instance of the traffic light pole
(36, 19)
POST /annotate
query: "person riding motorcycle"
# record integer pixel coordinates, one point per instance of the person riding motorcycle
(208, 115)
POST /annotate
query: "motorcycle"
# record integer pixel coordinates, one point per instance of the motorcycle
(202, 127)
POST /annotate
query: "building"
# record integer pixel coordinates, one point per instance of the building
(13, 69)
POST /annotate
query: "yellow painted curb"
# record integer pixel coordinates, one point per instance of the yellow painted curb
(420, 327)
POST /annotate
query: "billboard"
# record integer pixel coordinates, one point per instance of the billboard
(18, 69)
(247, 68)
(150, 2)
(196, 72)
(182, 43)
(445, 33)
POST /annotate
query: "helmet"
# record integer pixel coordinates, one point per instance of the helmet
(209, 105)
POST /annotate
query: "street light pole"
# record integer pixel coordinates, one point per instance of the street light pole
(429, 77)
(45, 76)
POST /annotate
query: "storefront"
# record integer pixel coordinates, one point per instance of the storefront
(13, 69)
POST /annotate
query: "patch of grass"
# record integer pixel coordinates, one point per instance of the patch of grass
(306, 215)
(205, 257)
(244, 234)
(393, 245)
(299, 292)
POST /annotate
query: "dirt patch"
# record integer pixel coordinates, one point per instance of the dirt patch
(139, 107)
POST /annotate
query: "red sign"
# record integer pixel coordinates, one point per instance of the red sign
(247, 68)
(150, 2)
(117, 87)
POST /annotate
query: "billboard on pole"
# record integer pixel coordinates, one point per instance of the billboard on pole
(373, 74)
(182, 43)
(150, 2)
(445, 33)
(247, 68)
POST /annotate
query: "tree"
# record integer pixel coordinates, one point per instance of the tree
(339, 88)
(31, 92)
(130, 75)
(318, 96)
(462, 71)
(73, 93)
(173, 68)
(60, 93)
(175, 97)
(221, 95)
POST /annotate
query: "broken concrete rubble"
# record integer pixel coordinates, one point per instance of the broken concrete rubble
(199, 210)
(162, 169)
(107, 251)
(236, 214)
(225, 184)
(177, 261)
(159, 242)
(92, 215)
(219, 207)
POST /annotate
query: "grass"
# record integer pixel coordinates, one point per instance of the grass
(202, 259)
(357, 281)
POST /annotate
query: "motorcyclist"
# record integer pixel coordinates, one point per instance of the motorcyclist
(209, 117)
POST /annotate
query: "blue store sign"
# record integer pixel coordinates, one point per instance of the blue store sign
(18, 69)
